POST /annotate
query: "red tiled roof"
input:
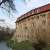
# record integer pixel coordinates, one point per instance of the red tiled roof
(34, 11)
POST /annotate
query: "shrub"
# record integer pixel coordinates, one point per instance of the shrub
(24, 45)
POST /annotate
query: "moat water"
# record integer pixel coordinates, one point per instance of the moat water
(3, 46)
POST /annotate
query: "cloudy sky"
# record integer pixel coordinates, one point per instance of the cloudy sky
(21, 9)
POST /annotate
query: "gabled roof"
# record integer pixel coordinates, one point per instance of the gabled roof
(34, 11)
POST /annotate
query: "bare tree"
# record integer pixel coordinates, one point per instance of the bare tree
(9, 2)
(9, 7)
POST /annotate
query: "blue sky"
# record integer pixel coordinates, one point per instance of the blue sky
(21, 9)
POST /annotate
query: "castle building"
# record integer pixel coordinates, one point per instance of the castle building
(34, 25)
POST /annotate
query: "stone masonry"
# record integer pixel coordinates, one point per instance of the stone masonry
(34, 25)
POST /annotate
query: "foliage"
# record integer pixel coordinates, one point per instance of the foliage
(24, 45)
(40, 45)
(5, 34)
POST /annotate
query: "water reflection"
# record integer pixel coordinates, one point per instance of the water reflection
(3, 46)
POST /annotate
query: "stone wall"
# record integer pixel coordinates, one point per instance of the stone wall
(33, 28)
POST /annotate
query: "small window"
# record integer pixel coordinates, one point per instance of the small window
(19, 22)
(25, 27)
(28, 19)
(20, 36)
(48, 22)
(32, 17)
(33, 24)
(24, 20)
(17, 35)
(44, 22)
(28, 36)
(24, 35)
(38, 17)
(24, 23)
(44, 29)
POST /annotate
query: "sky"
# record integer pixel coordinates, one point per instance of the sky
(22, 8)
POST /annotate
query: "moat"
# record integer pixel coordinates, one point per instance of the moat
(3, 46)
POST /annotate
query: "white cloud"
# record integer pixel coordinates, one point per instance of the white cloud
(23, 8)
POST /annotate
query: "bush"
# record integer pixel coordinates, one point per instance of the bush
(24, 45)
(40, 45)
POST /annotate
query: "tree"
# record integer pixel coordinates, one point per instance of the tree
(9, 7)
(9, 2)
(5, 33)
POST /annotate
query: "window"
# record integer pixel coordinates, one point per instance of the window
(32, 17)
(25, 27)
(24, 35)
(33, 24)
(28, 19)
(38, 17)
(28, 36)
(24, 20)
(19, 22)
(44, 22)
(44, 30)
(48, 22)
(18, 35)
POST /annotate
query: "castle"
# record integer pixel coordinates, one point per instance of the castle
(34, 25)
